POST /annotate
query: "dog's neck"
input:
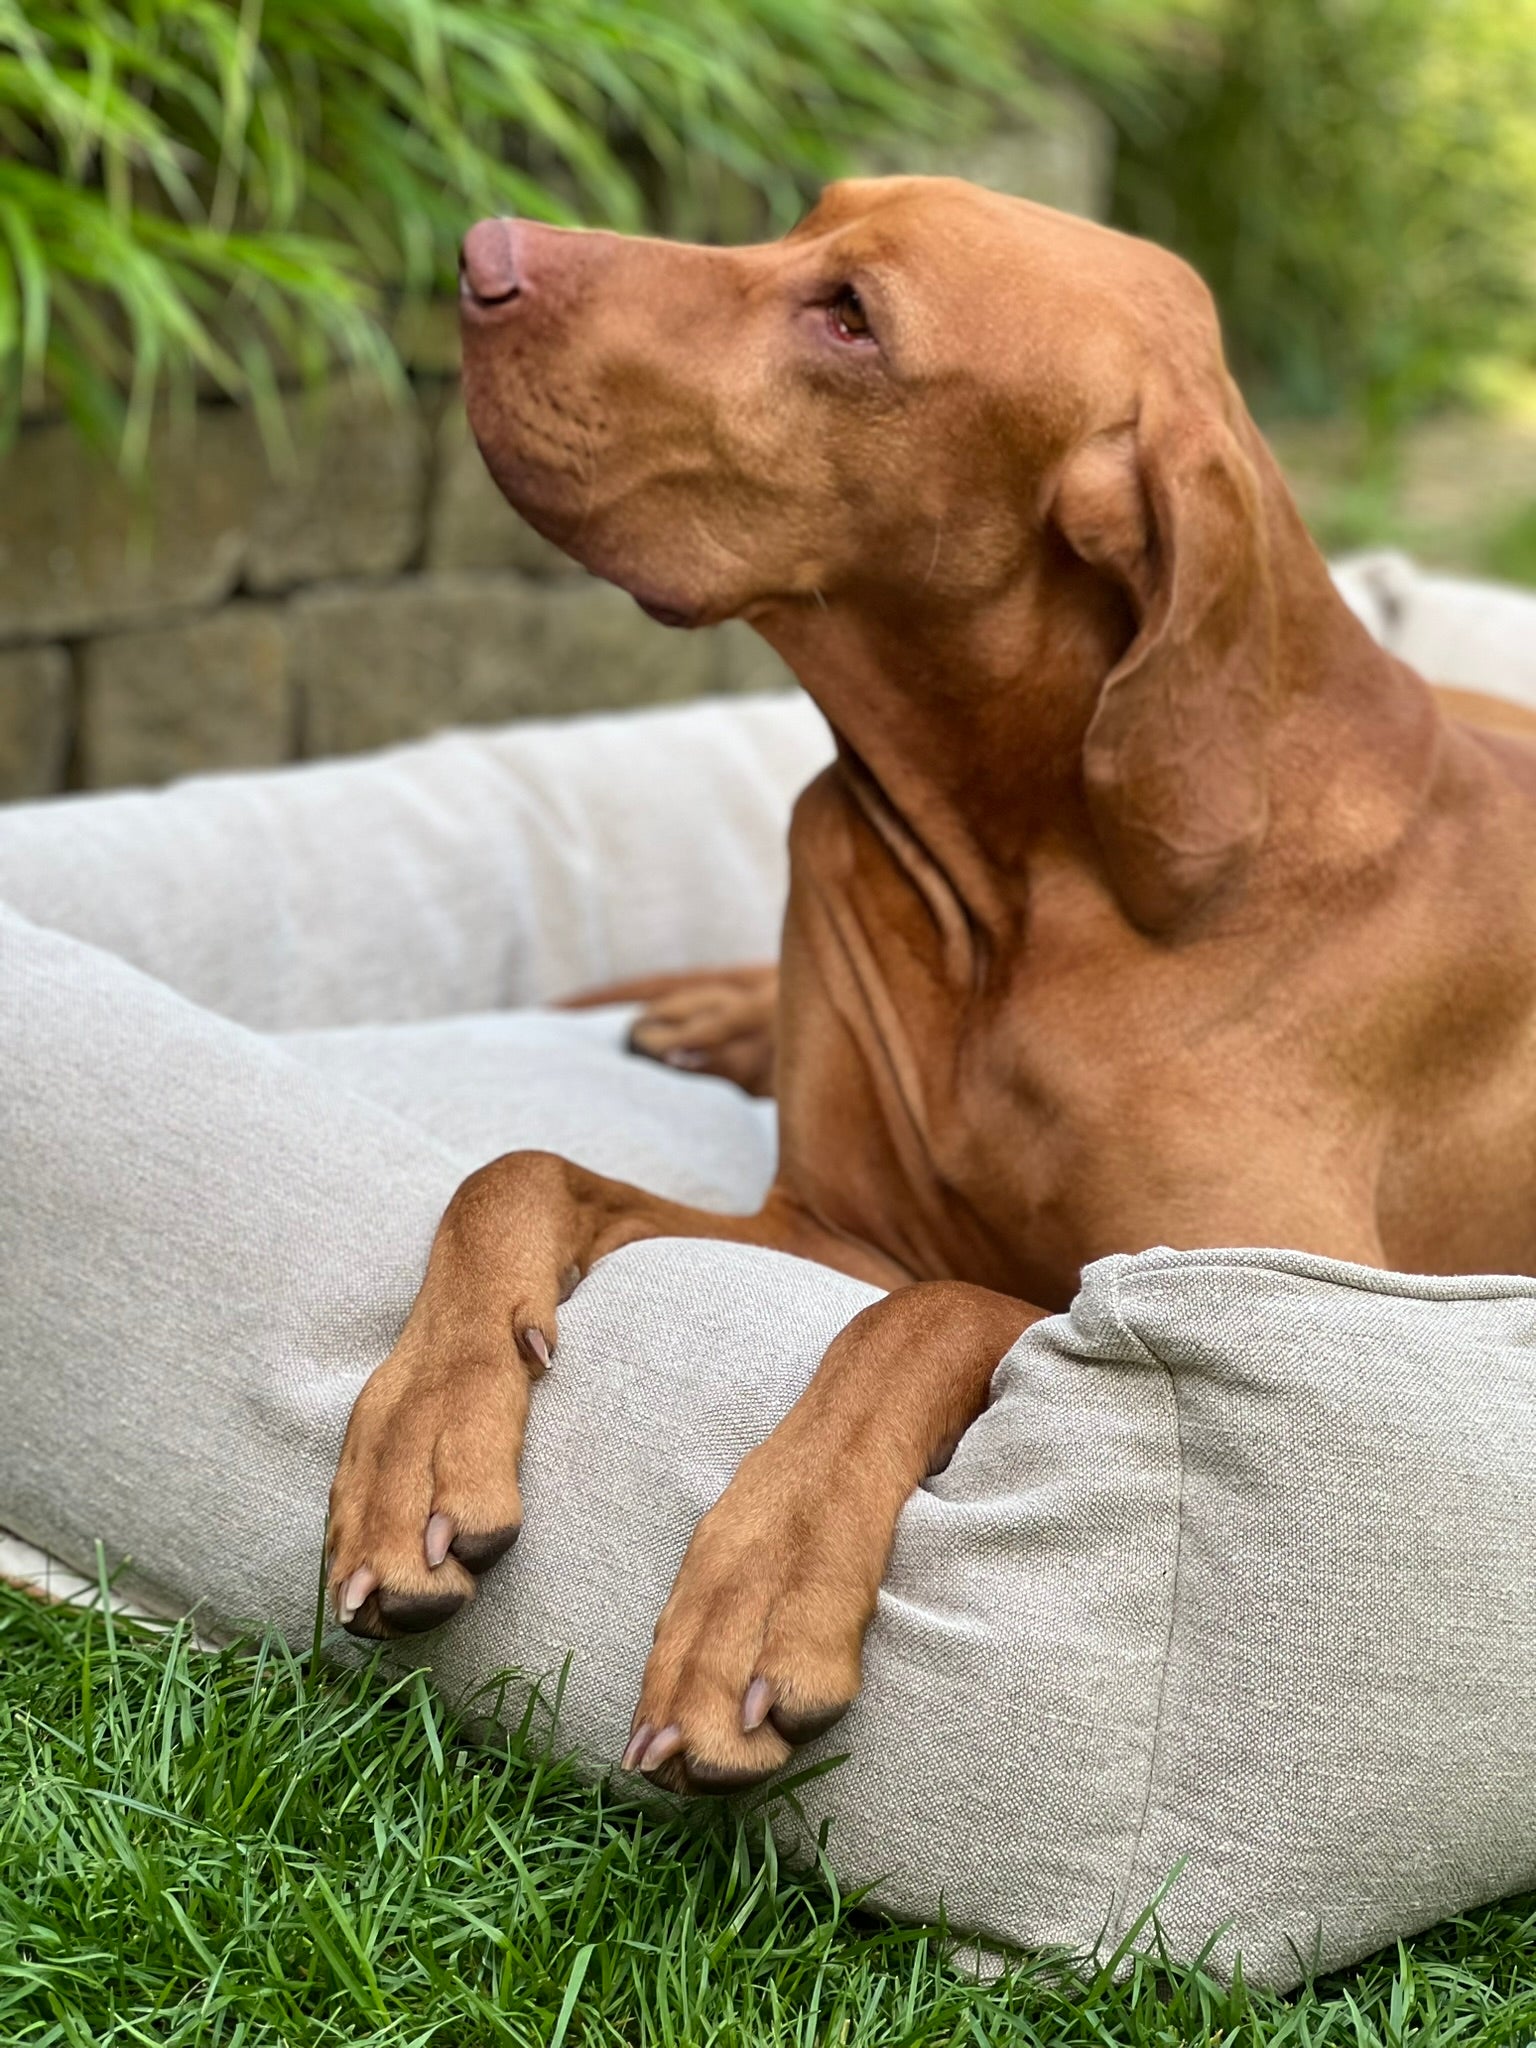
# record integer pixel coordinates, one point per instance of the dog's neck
(959, 739)
(969, 724)
(968, 729)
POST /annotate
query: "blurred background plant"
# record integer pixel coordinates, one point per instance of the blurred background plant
(1356, 179)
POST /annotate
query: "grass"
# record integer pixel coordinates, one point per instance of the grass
(244, 1850)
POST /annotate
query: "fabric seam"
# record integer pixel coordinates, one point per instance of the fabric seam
(1125, 1913)
(1433, 1287)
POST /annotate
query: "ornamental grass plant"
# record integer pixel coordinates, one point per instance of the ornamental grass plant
(233, 192)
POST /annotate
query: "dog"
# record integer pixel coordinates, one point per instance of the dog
(1146, 901)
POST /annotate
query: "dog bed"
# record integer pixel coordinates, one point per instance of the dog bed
(1232, 1584)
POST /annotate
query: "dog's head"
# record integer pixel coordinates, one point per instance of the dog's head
(925, 403)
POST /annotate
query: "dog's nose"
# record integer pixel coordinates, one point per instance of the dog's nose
(488, 270)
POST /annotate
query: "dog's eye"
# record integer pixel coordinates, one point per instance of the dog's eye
(847, 317)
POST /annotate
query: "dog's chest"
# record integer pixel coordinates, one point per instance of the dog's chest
(924, 1108)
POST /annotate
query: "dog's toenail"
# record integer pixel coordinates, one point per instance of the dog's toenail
(534, 1344)
(354, 1592)
(439, 1539)
(754, 1707)
(634, 1749)
(661, 1747)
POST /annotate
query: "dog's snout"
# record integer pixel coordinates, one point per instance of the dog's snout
(488, 266)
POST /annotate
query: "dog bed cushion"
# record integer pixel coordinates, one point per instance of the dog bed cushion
(1233, 1579)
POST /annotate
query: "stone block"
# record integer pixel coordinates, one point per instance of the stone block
(470, 524)
(207, 693)
(743, 662)
(82, 551)
(34, 720)
(353, 503)
(597, 651)
(375, 664)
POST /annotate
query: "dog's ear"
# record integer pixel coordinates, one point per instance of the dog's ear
(1173, 759)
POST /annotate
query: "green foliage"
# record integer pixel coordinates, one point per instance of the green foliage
(1356, 179)
(235, 1851)
(233, 192)
(1512, 549)
(232, 189)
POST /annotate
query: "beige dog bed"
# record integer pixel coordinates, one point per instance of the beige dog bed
(1234, 1579)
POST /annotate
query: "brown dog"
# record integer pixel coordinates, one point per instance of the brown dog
(1147, 901)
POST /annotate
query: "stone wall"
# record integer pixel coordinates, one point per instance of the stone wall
(371, 589)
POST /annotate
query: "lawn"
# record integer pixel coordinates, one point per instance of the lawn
(248, 1850)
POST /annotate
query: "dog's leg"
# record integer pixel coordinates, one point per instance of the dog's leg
(714, 1021)
(759, 1646)
(426, 1496)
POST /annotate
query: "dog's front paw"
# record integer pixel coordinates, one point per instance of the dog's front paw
(726, 1026)
(425, 1496)
(758, 1648)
